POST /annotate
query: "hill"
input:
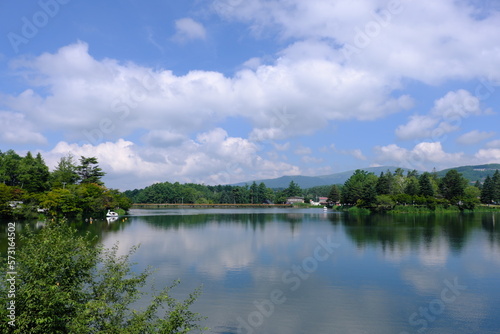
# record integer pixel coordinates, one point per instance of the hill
(472, 173)
(312, 181)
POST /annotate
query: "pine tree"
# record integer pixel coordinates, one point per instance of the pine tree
(65, 172)
(33, 173)
(425, 185)
(496, 186)
(293, 190)
(261, 193)
(89, 171)
(334, 195)
(487, 191)
(452, 185)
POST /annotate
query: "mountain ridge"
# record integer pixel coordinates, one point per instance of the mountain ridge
(472, 173)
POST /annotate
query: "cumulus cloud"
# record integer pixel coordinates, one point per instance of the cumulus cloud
(447, 115)
(213, 157)
(96, 100)
(474, 137)
(451, 43)
(489, 155)
(422, 155)
(17, 130)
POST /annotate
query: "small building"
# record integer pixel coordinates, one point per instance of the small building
(323, 200)
(294, 199)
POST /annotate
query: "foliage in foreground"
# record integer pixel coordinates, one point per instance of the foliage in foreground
(67, 284)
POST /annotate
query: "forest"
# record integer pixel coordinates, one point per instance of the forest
(74, 188)
(384, 192)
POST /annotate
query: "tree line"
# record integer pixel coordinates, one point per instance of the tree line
(363, 189)
(28, 187)
(191, 193)
(384, 192)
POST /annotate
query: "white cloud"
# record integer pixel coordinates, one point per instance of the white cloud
(493, 144)
(96, 100)
(419, 126)
(474, 137)
(422, 155)
(489, 155)
(450, 43)
(17, 130)
(188, 29)
(213, 158)
(447, 115)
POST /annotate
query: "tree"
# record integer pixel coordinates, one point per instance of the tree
(261, 193)
(9, 168)
(89, 171)
(6, 195)
(471, 198)
(293, 190)
(355, 187)
(65, 172)
(254, 195)
(412, 186)
(496, 186)
(384, 183)
(67, 284)
(487, 193)
(369, 194)
(452, 185)
(33, 173)
(334, 195)
(425, 185)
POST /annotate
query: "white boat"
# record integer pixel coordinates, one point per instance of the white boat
(111, 214)
(325, 208)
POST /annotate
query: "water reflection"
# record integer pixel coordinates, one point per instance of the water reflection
(385, 269)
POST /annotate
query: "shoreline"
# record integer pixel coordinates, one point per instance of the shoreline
(191, 205)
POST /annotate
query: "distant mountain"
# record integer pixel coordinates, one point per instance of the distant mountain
(312, 181)
(472, 173)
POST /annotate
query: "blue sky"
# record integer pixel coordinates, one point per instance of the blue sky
(225, 91)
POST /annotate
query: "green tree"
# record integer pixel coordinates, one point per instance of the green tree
(452, 185)
(89, 171)
(412, 187)
(254, 193)
(293, 190)
(384, 183)
(496, 186)
(262, 193)
(66, 283)
(9, 168)
(65, 172)
(354, 188)
(369, 193)
(425, 183)
(471, 198)
(6, 195)
(487, 193)
(334, 194)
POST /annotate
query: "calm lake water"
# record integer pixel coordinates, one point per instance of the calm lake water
(308, 271)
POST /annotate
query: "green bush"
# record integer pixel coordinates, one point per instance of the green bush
(67, 283)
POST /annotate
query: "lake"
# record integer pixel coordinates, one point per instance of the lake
(308, 271)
